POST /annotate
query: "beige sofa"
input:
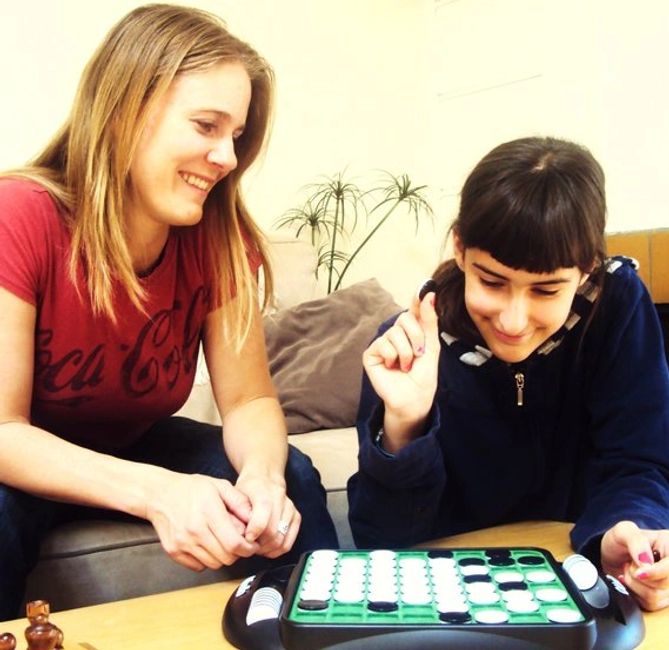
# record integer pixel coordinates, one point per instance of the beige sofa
(314, 346)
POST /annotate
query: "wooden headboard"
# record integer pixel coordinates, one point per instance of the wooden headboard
(651, 249)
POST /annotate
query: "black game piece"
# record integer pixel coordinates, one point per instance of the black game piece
(426, 287)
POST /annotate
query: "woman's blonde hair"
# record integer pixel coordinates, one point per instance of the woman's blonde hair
(86, 166)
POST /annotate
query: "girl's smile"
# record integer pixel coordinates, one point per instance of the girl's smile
(515, 311)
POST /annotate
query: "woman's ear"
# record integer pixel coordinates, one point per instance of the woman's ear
(458, 252)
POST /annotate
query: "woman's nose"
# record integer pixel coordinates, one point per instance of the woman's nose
(223, 155)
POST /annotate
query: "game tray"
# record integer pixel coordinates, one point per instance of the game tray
(458, 598)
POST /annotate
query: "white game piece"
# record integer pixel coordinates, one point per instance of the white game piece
(582, 572)
(551, 595)
(540, 576)
(563, 615)
(491, 616)
(508, 576)
(474, 570)
(522, 606)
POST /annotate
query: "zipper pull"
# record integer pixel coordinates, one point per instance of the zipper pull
(520, 384)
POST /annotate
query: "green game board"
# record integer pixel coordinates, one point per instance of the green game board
(522, 593)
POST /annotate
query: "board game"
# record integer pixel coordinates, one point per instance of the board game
(506, 598)
(506, 593)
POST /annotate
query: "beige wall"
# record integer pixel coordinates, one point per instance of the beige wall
(589, 70)
(418, 86)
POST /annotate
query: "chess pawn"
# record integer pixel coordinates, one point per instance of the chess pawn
(37, 612)
(43, 623)
(7, 641)
(42, 636)
(37, 608)
(60, 640)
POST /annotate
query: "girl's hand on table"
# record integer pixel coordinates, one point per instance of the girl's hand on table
(639, 558)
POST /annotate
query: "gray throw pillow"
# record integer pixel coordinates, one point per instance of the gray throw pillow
(315, 351)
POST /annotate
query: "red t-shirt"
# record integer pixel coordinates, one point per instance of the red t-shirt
(97, 383)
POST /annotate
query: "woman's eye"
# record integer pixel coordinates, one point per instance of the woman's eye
(494, 284)
(205, 127)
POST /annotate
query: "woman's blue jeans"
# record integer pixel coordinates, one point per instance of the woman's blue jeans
(178, 444)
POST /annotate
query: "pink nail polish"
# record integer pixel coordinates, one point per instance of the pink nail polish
(642, 576)
(420, 350)
(645, 558)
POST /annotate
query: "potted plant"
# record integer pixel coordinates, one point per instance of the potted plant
(332, 210)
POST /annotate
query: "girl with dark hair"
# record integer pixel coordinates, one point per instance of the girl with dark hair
(125, 245)
(527, 382)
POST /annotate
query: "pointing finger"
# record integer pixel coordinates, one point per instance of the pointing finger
(430, 321)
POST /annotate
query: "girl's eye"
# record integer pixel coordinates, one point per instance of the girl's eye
(546, 292)
(493, 284)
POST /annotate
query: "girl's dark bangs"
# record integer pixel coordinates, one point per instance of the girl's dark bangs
(537, 235)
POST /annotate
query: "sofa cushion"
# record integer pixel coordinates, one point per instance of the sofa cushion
(95, 561)
(315, 354)
(334, 452)
(293, 262)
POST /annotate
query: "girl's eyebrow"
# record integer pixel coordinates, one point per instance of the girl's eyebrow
(488, 271)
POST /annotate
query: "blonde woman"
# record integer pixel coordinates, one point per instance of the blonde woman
(126, 243)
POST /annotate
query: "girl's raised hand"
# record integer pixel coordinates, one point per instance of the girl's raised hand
(402, 364)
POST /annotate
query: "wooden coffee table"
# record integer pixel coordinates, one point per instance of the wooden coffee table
(191, 618)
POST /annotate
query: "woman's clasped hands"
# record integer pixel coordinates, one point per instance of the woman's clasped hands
(206, 522)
